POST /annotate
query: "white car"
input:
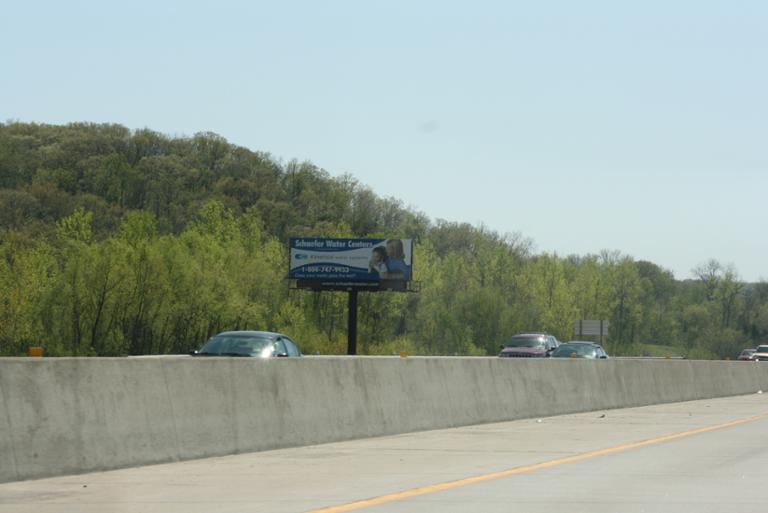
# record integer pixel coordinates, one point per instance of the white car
(761, 354)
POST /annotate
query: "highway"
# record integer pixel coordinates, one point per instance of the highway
(700, 456)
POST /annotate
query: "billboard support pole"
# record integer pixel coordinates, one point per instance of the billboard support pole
(352, 323)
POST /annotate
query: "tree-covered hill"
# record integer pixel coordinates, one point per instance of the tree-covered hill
(46, 172)
(115, 241)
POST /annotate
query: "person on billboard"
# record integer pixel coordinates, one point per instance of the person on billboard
(378, 262)
(397, 269)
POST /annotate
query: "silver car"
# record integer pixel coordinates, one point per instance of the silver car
(761, 353)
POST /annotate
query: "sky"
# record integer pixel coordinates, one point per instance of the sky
(637, 127)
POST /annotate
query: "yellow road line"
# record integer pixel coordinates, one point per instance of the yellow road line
(423, 490)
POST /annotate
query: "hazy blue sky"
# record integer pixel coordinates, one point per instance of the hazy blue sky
(638, 127)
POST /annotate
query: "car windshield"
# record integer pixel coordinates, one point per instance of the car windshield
(582, 350)
(236, 345)
(524, 342)
(748, 352)
(762, 349)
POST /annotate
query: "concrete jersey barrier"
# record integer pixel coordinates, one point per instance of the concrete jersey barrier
(74, 415)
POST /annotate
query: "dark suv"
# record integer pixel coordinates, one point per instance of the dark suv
(529, 345)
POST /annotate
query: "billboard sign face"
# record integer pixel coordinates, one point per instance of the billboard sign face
(366, 262)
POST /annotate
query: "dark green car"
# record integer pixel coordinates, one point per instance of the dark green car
(259, 344)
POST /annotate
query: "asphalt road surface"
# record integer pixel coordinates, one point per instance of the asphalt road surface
(701, 456)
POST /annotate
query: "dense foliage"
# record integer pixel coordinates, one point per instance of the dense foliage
(118, 242)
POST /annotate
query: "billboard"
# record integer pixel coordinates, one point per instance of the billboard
(351, 262)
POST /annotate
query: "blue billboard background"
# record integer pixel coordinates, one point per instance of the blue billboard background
(350, 260)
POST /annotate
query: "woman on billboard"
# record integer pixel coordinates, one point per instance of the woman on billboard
(397, 269)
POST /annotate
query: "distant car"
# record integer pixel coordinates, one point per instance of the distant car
(761, 353)
(579, 349)
(529, 345)
(747, 355)
(260, 344)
